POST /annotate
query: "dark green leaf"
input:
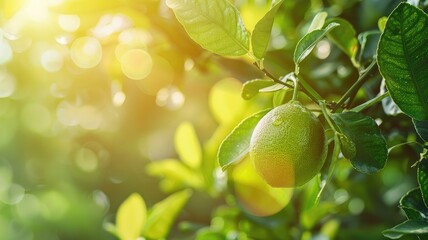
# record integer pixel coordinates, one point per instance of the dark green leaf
(308, 42)
(262, 31)
(413, 205)
(403, 59)
(237, 143)
(347, 146)
(371, 146)
(423, 179)
(252, 87)
(344, 36)
(407, 227)
(215, 25)
(422, 129)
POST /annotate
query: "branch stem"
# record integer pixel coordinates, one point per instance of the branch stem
(357, 85)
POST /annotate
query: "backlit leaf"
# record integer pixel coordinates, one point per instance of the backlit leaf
(308, 42)
(403, 59)
(187, 145)
(237, 143)
(262, 31)
(162, 215)
(215, 25)
(131, 217)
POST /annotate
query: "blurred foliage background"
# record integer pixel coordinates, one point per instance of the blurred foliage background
(101, 99)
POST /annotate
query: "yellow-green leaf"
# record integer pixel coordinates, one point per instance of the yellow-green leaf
(131, 217)
(162, 215)
(187, 145)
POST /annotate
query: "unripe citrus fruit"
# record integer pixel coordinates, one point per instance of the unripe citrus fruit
(288, 146)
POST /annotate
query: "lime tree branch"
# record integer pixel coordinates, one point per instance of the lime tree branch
(312, 94)
(357, 85)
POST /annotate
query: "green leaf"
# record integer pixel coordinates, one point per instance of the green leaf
(368, 46)
(131, 217)
(347, 146)
(403, 59)
(423, 179)
(344, 36)
(407, 227)
(318, 21)
(413, 205)
(252, 87)
(372, 151)
(174, 174)
(215, 25)
(262, 31)
(422, 129)
(162, 215)
(308, 42)
(187, 145)
(237, 143)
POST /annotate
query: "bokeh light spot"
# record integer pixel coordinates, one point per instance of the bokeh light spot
(52, 60)
(13, 195)
(7, 84)
(323, 49)
(86, 52)
(5, 50)
(136, 64)
(69, 23)
(171, 98)
(86, 160)
(356, 206)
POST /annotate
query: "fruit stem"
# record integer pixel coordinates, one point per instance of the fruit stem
(296, 87)
(356, 86)
(328, 117)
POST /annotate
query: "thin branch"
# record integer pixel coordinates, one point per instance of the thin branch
(357, 85)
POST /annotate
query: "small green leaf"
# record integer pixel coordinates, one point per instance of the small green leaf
(262, 31)
(381, 23)
(215, 25)
(344, 36)
(403, 58)
(407, 227)
(368, 46)
(318, 21)
(187, 145)
(423, 179)
(413, 205)
(252, 87)
(162, 215)
(273, 88)
(422, 129)
(308, 42)
(237, 143)
(372, 151)
(131, 217)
